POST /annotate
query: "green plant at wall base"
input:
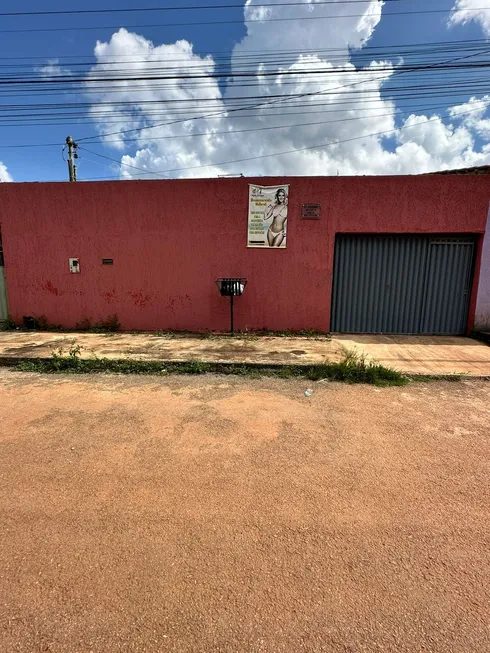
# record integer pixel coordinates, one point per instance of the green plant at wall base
(42, 324)
(172, 333)
(110, 324)
(85, 324)
(304, 333)
(7, 325)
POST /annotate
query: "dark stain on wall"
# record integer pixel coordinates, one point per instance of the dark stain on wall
(48, 287)
(110, 296)
(142, 300)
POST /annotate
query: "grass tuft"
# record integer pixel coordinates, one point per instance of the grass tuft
(353, 368)
(454, 378)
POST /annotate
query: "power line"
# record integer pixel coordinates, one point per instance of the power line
(240, 62)
(31, 145)
(288, 98)
(339, 110)
(156, 107)
(181, 8)
(336, 108)
(396, 111)
(229, 22)
(109, 110)
(90, 79)
(460, 72)
(366, 49)
(301, 149)
(310, 94)
(127, 165)
(258, 129)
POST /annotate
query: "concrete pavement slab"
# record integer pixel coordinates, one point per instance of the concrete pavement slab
(431, 355)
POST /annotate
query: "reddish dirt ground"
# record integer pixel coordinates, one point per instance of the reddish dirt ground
(231, 515)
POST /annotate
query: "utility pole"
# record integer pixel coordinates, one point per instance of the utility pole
(72, 155)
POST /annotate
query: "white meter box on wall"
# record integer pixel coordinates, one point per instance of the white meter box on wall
(74, 264)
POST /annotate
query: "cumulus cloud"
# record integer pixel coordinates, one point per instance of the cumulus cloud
(465, 11)
(312, 96)
(472, 115)
(53, 69)
(139, 104)
(4, 173)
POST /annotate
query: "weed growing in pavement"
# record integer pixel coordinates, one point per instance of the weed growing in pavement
(171, 333)
(311, 334)
(61, 361)
(351, 369)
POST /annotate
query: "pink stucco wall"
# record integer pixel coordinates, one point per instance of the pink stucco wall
(171, 239)
(482, 316)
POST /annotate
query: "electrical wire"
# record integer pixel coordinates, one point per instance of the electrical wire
(86, 81)
(406, 92)
(310, 94)
(290, 126)
(126, 165)
(398, 110)
(340, 108)
(428, 45)
(295, 150)
(126, 10)
(228, 22)
(459, 80)
(376, 116)
(117, 110)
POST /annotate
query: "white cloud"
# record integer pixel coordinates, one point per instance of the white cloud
(156, 102)
(369, 20)
(4, 173)
(471, 113)
(333, 105)
(53, 69)
(465, 11)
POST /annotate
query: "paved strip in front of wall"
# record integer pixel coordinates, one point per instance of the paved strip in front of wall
(428, 355)
(144, 346)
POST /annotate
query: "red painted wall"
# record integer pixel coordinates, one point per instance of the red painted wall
(171, 239)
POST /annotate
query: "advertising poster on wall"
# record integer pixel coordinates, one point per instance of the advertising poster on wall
(267, 216)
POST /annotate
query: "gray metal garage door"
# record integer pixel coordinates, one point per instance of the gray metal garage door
(401, 284)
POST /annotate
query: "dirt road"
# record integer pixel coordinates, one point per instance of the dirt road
(228, 515)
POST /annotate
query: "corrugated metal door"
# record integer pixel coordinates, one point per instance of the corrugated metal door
(448, 286)
(388, 284)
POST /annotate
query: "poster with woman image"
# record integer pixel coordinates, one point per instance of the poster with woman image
(267, 216)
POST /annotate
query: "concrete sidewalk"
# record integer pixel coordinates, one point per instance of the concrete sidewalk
(411, 354)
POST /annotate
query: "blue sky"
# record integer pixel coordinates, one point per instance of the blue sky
(45, 163)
